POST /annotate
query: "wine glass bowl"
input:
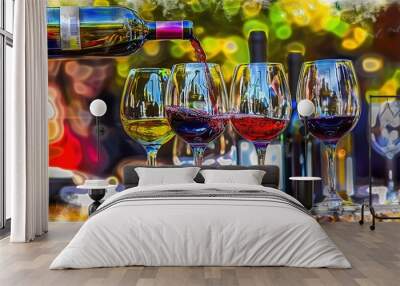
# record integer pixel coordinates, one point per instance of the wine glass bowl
(331, 85)
(196, 104)
(142, 109)
(385, 138)
(260, 104)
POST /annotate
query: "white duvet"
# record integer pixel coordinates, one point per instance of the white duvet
(200, 231)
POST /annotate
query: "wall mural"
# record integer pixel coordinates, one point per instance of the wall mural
(367, 32)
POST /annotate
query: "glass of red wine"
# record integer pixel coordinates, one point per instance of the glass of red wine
(196, 102)
(260, 104)
(333, 88)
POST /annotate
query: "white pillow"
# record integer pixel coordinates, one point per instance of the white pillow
(248, 177)
(166, 176)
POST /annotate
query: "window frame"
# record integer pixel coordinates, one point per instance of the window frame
(6, 39)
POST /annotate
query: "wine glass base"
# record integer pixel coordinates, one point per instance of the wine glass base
(336, 205)
(392, 197)
(331, 203)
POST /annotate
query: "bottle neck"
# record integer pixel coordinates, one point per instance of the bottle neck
(169, 30)
(258, 47)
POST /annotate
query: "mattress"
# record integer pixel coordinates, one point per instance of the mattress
(201, 225)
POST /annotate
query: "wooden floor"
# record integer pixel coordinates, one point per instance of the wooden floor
(375, 257)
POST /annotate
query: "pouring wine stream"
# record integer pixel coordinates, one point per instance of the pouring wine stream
(202, 58)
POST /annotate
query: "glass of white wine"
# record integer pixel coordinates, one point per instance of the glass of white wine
(142, 109)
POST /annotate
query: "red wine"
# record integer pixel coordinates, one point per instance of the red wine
(202, 58)
(195, 126)
(331, 128)
(257, 128)
(198, 50)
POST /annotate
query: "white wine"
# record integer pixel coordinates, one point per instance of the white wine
(148, 131)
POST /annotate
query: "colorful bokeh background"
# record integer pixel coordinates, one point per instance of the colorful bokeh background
(368, 32)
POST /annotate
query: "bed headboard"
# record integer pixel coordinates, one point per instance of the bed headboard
(270, 179)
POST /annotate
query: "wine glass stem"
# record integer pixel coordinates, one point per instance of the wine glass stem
(390, 196)
(331, 150)
(151, 151)
(261, 149)
(198, 154)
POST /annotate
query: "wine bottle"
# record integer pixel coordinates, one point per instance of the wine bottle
(295, 138)
(257, 47)
(105, 31)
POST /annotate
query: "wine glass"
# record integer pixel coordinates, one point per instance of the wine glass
(142, 109)
(260, 104)
(332, 87)
(196, 102)
(385, 137)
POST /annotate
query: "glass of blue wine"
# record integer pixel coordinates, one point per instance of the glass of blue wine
(385, 137)
(196, 105)
(333, 88)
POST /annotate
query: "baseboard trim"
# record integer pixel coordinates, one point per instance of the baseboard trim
(5, 231)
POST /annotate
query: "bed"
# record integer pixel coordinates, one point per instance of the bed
(197, 224)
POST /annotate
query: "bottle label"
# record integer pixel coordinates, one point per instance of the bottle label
(169, 30)
(70, 28)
